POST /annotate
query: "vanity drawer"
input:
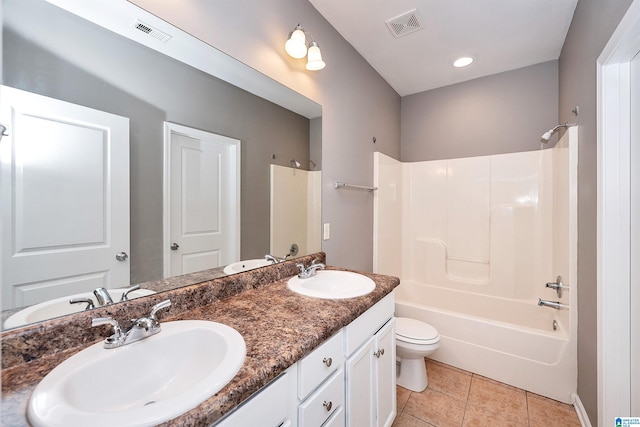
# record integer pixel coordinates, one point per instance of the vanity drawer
(326, 400)
(319, 365)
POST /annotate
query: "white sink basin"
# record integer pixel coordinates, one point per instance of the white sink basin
(143, 383)
(332, 284)
(61, 307)
(248, 264)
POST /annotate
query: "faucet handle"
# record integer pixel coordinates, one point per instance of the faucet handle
(108, 321)
(115, 340)
(159, 306)
(88, 301)
(125, 294)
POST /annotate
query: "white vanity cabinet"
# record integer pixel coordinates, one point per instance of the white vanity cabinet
(370, 367)
(349, 380)
(321, 384)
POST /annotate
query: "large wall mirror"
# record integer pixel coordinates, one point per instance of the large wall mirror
(271, 141)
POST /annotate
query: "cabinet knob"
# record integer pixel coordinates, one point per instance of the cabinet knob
(327, 405)
(327, 361)
(379, 353)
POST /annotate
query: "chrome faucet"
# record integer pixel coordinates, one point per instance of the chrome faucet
(310, 271)
(103, 297)
(273, 259)
(142, 328)
(553, 304)
(558, 286)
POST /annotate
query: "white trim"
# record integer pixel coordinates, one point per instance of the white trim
(613, 147)
(234, 211)
(166, 201)
(580, 411)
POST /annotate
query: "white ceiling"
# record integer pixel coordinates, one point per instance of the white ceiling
(500, 35)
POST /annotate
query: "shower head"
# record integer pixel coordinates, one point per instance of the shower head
(547, 135)
(295, 164)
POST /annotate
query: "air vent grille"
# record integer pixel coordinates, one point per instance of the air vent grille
(150, 31)
(404, 24)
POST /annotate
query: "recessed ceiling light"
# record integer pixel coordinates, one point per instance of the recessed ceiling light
(462, 62)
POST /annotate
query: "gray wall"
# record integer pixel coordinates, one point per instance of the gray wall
(357, 104)
(502, 113)
(150, 88)
(593, 23)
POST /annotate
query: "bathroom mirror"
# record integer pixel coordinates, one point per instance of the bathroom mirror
(91, 66)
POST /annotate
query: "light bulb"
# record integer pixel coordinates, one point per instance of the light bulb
(296, 46)
(314, 58)
(462, 62)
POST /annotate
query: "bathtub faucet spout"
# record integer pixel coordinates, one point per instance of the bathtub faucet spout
(553, 304)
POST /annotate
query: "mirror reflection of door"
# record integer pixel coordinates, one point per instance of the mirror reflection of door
(202, 193)
(64, 189)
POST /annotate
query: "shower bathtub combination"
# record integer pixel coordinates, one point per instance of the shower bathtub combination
(475, 243)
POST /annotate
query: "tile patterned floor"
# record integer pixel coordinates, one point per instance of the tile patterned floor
(459, 398)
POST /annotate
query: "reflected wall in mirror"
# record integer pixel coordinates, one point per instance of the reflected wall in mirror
(85, 64)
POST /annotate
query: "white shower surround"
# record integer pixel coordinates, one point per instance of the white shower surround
(474, 243)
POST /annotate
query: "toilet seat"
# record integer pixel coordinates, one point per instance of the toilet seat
(415, 332)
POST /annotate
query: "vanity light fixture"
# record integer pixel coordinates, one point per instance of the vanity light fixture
(296, 47)
(462, 62)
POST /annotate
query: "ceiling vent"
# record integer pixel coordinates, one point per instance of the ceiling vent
(404, 24)
(150, 31)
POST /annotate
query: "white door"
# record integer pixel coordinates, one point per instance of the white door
(385, 372)
(359, 376)
(202, 206)
(634, 308)
(64, 189)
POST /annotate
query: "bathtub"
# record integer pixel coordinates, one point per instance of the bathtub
(508, 340)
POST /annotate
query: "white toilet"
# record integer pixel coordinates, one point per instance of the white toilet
(414, 341)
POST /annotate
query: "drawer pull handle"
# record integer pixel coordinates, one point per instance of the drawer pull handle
(327, 405)
(379, 353)
(327, 361)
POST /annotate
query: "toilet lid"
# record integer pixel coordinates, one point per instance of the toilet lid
(412, 330)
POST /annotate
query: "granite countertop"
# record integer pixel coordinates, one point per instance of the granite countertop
(279, 328)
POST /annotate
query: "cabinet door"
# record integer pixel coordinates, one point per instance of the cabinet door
(360, 387)
(385, 374)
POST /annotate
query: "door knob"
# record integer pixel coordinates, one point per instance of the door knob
(175, 246)
(122, 256)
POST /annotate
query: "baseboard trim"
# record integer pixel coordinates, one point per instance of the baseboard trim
(582, 413)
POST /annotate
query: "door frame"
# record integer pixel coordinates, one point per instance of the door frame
(614, 219)
(170, 128)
